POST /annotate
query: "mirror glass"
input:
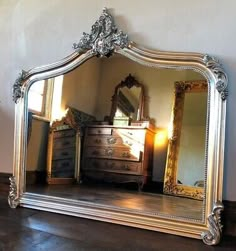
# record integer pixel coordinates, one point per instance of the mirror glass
(127, 101)
(191, 160)
(67, 108)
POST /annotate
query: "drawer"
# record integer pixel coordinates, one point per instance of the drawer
(113, 153)
(137, 135)
(63, 133)
(112, 141)
(113, 166)
(63, 153)
(65, 142)
(65, 164)
(99, 131)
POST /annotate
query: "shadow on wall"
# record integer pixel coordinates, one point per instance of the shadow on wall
(160, 155)
(7, 139)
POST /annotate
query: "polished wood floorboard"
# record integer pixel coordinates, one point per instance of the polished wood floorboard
(123, 198)
(25, 229)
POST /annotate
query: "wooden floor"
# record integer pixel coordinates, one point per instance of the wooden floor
(24, 229)
(128, 199)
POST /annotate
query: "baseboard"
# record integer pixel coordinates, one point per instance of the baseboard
(229, 217)
(33, 177)
(4, 183)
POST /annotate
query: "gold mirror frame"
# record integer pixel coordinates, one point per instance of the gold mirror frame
(129, 82)
(170, 180)
(104, 40)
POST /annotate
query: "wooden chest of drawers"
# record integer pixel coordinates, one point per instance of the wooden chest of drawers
(118, 154)
(62, 156)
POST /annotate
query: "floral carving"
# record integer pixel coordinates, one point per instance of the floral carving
(103, 38)
(17, 87)
(221, 77)
(13, 200)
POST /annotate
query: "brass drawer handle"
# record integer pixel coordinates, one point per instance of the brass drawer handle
(109, 152)
(126, 167)
(111, 140)
(126, 154)
(98, 141)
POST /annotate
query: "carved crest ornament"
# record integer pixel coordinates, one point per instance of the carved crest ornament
(103, 40)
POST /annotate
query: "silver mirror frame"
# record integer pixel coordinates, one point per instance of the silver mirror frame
(104, 40)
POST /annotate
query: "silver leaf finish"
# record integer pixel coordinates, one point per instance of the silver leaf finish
(103, 38)
(13, 200)
(213, 236)
(222, 80)
(17, 91)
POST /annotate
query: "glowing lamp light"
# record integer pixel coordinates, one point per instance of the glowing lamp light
(161, 138)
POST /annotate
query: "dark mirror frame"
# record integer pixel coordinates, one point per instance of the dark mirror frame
(129, 82)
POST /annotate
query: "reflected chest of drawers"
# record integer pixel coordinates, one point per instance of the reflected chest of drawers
(62, 156)
(118, 154)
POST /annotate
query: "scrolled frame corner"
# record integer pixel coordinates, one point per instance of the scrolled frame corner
(221, 77)
(214, 234)
(13, 199)
(17, 92)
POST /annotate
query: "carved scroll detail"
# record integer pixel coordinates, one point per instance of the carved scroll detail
(222, 80)
(17, 87)
(13, 200)
(103, 38)
(213, 236)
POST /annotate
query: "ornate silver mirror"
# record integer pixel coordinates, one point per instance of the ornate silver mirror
(73, 97)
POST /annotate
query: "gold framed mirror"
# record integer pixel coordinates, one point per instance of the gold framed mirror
(185, 165)
(170, 214)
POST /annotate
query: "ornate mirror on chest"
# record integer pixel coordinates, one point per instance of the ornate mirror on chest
(122, 134)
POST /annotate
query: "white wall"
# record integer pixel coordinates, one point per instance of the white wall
(80, 87)
(35, 32)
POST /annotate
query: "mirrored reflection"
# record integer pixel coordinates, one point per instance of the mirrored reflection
(79, 146)
(192, 140)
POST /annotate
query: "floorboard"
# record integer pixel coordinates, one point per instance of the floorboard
(128, 199)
